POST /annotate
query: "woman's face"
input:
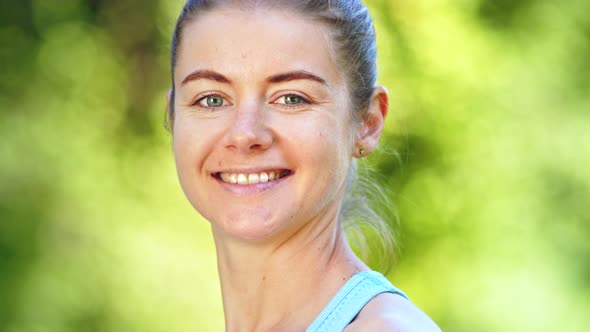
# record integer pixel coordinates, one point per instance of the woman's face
(263, 134)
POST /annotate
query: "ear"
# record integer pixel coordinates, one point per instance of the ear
(371, 127)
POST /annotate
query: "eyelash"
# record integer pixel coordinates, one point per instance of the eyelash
(202, 97)
(304, 101)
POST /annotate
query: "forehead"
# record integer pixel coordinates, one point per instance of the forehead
(254, 43)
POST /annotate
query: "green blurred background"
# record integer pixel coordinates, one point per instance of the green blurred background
(490, 120)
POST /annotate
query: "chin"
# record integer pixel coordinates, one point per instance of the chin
(249, 224)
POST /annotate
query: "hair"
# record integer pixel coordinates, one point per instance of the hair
(355, 51)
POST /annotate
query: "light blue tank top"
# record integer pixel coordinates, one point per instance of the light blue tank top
(350, 299)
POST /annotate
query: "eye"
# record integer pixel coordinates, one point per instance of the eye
(211, 101)
(292, 100)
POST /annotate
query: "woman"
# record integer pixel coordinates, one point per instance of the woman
(271, 102)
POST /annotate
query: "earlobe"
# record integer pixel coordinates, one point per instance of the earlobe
(372, 124)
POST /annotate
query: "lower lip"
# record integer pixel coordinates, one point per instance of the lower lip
(251, 189)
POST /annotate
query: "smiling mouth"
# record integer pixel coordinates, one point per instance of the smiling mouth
(252, 178)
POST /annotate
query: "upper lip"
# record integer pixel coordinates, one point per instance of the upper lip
(250, 170)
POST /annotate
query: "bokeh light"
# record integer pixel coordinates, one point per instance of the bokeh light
(485, 157)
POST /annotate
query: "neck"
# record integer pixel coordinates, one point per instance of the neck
(285, 284)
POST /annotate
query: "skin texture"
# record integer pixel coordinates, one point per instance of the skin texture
(281, 251)
(391, 312)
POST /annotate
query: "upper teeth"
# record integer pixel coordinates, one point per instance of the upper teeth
(250, 178)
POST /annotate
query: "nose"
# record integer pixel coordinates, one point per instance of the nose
(248, 131)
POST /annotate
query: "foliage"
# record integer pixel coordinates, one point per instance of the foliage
(489, 124)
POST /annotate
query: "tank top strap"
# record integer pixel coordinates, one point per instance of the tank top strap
(350, 300)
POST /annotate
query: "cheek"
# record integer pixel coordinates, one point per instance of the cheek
(184, 158)
(190, 144)
(193, 136)
(336, 139)
(184, 147)
(328, 150)
(191, 141)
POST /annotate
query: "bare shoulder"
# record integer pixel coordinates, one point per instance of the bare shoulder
(389, 312)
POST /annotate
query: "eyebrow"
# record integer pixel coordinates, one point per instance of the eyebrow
(207, 75)
(279, 78)
(295, 75)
